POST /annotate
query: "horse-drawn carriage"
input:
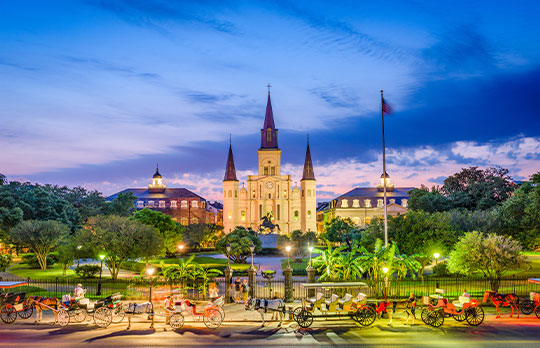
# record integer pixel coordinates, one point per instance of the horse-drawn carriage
(334, 306)
(14, 303)
(437, 307)
(532, 304)
(104, 311)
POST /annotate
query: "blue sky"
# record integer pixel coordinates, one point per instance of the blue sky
(94, 93)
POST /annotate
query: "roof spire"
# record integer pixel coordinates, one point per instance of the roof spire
(230, 171)
(268, 85)
(269, 132)
(157, 175)
(308, 165)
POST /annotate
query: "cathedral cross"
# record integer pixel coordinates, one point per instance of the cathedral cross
(268, 85)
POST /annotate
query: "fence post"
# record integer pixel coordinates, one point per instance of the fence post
(228, 277)
(252, 273)
(310, 279)
(287, 273)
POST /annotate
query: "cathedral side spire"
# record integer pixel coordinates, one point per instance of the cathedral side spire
(230, 171)
(269, 132)
(308, 165)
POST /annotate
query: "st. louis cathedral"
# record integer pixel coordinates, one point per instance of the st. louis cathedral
(270, 203)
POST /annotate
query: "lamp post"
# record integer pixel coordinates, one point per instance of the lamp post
(288, 249)
(228, 253)
(228, 276)
(310, 248)
(98, 293)
(252, 248)
(180, 248)
(78, 254)
(436, 256)
(150, 271)
(385, 271)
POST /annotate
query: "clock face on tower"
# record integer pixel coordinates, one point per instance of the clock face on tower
(269, 185)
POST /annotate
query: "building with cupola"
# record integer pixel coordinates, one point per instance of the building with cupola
(363, 204)
(183, 205)
(270, 195)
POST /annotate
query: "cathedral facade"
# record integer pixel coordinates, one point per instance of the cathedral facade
(270, 198)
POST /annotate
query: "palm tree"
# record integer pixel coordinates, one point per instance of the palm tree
(349, 264)
(205, 274)
(328, 262)
(181, 271)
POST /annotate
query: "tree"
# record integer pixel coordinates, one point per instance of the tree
(491, 254)
(67, 252)
(42, 237)
(205, 274)
(327, 263)
(169, 230)
(198, 235)
(3, 179)
(119, 238)
(240, 240)
(521, 214)
(423, 199)
(474, 188)
(122, 205)
(299, 243)
(5, 262)
(337, 228)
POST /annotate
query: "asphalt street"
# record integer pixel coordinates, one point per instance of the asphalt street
(246, 330)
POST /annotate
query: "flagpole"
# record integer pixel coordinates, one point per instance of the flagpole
(384, 175)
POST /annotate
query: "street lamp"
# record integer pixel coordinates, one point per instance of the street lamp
(228, 253)
(180, 248)
(252, 248)
(288, 249)
(78, 255)
(150, 271)
(436, 255)
(310, 248)
(385, 271)
(98, 293)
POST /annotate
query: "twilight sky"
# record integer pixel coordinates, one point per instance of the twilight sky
(95, 92)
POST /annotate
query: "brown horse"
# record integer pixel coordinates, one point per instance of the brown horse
(407, 306)
(41, 303)
(502, 300)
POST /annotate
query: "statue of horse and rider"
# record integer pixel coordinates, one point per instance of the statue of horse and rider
(267, 225)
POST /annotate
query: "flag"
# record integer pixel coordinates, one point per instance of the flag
(386, 108)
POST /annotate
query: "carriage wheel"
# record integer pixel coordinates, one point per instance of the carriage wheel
(304, 318)
(221, 311)
(176, 321)
(118, 314)
(436, 318)
(63, 317)
(8, 313)
(475, 316)
(425, 315)
(365, 316)
(79, 315)
(460, 317)
(103, 317)
(212, 319)
(27, 311)
(527, 307)
(295, 312)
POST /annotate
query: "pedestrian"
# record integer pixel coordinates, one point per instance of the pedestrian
(237, 290)
(245, 291)
(78, 292)
(465, 293)
(169, 308)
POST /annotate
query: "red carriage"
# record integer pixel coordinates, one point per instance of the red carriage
(14, 303)
(463, 309)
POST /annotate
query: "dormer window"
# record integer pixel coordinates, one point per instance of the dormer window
(355, 203)
(367, 203)
(392, 201)
(162, 204)
(150, 204)
(140, 204)
(183, 204)
(379, 203)
(173, 204)
(194, 204)
(344, 203)
(404, 203)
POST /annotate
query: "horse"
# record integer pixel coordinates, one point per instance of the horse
(263, 305)
(502, 299)
(41, 303)
(267, 224)
(407, 306)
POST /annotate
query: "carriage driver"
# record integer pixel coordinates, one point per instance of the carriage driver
(78, 292)
(169, 308)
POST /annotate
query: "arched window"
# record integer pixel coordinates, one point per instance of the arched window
(184, 221)
(230, 193)
(269, 134)
(229, 215)
(309, 214)
(309, 193)
(194, 220)
(243, 216)
(296, 214)
(235, 193)
(194, 204)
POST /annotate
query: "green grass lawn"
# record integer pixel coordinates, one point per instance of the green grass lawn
(22, 270)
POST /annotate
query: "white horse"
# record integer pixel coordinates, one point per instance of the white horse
(262, 306)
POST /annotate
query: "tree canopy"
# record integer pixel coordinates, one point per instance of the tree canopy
(42, 237)
(337, 229)
(169, 230)
(240, 240)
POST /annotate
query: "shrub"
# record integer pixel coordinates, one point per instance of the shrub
(134, 266)
(32, 261)
(5, 261)
(441, 269)
(87, 271)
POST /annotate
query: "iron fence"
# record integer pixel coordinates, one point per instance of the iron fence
(275, 288)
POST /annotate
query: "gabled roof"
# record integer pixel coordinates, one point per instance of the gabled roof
(230, 171)
(168, 193)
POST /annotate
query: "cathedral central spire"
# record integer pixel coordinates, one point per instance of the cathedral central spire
(308, 165)
(269, 132)
(230, 171)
